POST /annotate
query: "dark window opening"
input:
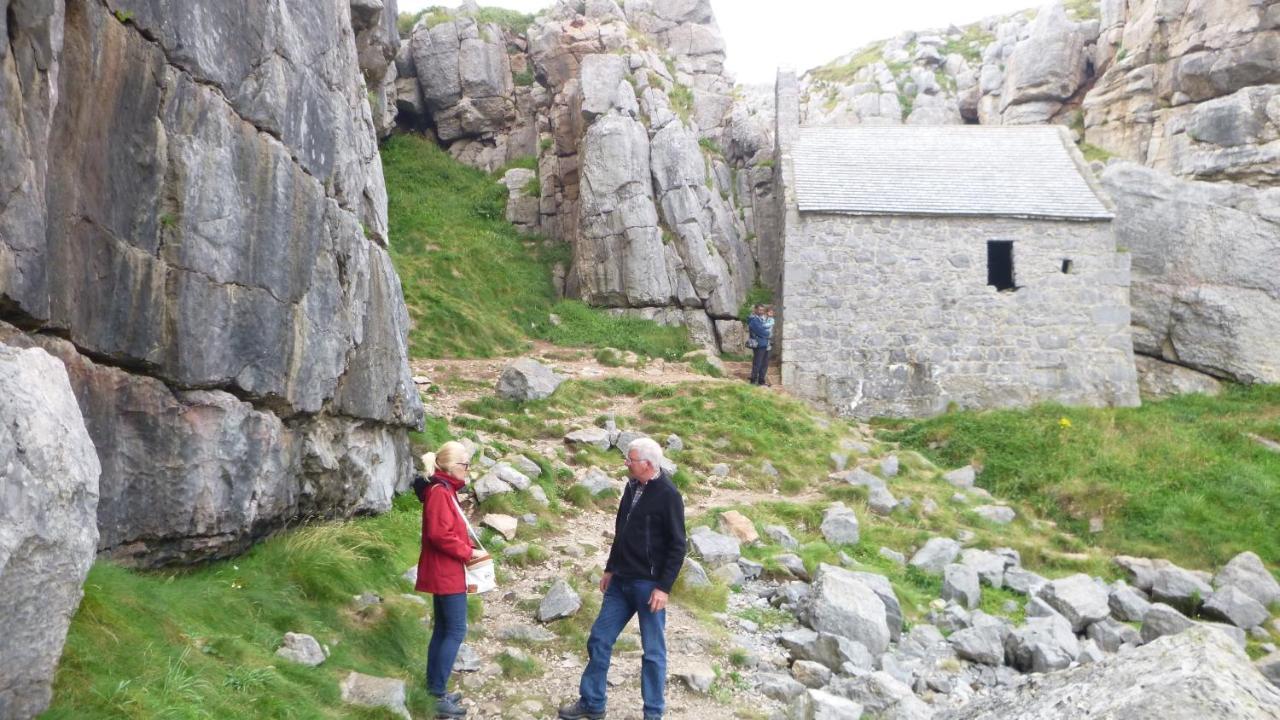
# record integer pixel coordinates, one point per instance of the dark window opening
(1000, 264)
(1067, 266)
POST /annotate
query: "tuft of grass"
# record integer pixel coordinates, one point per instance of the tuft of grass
(843, 73)
(1093, 152)
(200, 642)
(681, 97)
(519, 667)
(1177, 479)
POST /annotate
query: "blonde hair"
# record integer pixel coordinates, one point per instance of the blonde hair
(447, 458)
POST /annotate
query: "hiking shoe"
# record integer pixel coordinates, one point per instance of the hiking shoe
(448, 709)
(576, 711)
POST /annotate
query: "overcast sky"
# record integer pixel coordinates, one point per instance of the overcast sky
(801, 34)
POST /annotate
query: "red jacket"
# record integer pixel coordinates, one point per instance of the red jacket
(445, 544)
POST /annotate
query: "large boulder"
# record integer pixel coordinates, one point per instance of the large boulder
(842, 604)
(1042, 644)
(1044, 70)
(714, 548)
(1198, 674)
(48, 529)
(936, 554)
(527, 379)
(1204, 292)
(839, 525)
(1247, 573)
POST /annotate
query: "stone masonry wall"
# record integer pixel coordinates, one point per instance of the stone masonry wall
(893, 315)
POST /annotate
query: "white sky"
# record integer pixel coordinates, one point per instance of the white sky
(761, 35)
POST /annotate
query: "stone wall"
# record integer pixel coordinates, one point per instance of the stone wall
(197, 227)
(893, 315)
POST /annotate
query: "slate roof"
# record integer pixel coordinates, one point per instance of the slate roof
(1023, 171)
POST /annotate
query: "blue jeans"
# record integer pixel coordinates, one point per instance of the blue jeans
(760, 364)
(623, 599)
(448, 630)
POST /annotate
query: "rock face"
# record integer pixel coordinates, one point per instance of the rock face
(1197, 674)
(1205, 292)
(646, 165)
(205, 225)
(49, 481)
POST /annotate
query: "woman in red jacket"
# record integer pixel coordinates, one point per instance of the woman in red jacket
(446, 547)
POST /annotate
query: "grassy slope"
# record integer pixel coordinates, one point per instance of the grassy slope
(1176, 479)
(473, 285)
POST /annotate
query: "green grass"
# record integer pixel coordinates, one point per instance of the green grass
(473, 286)
(200, 643)
(1177, 479)
(843, 73)
(1093, 152)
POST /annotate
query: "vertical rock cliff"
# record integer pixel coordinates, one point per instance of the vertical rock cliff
(193, 219)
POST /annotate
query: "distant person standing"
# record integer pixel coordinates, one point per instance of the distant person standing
(760, 334)
(446, 548)
(646, 556)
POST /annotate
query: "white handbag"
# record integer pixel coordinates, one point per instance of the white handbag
(481, 575)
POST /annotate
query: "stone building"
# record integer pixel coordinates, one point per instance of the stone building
(934, 266)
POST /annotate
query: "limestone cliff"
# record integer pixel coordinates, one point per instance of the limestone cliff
(648, 163)
(193, 219)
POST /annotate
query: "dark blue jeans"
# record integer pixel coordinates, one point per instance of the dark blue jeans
(448, 630)
(759, 364)
(623, 599)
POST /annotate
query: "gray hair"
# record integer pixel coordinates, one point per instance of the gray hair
(646, 449)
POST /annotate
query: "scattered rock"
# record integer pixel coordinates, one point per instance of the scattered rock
(697, 678)
(375, 692)
(736, 524)
(936, 554)
(504, 525)
(982, 644)
(844, 605)
(998, 514)
(1078, 599)
(525, 634)
(960, 583)
(527, 379)
(962, 478)
(839, 460)
(714, 548)
(792, 564)
(1247, 573)
(1042, 644)
(674, 443)
(730, 574)
(719, 470)
(811, 674)
(694, 575)
(489, 485)
(597, 482)
(1194, 675)
(889, 466)
(776, 686)
(781, 536)
(989, 566)
(594, 436)
(302, 649)
(893, 556)
(1127, 603)
(883, 589)
(468, 660)
(538, 496)
(750, 568)
(561, 601)
(882, 695)
(526, 466)
(822, 705)
(839, 525)
(881, 501)
(1162, 620)
(1179, 588)
(1269, 666)
(1110, 634)
(1233, 605)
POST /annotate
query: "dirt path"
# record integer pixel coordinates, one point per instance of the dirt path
(578, 549)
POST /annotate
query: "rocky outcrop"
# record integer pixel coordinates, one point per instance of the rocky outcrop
(49, 485)
(1188, 87)
(199, 234)
(1205, 290)
(645, 164)
(1198, 673)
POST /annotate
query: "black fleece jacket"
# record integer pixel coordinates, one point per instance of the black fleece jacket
(649, 542)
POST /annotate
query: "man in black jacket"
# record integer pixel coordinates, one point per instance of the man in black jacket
(648, 550)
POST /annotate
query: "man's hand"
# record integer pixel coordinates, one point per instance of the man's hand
(604, 581)
(657, 601)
